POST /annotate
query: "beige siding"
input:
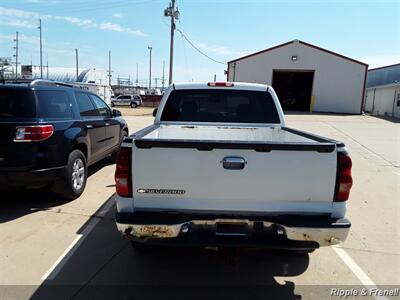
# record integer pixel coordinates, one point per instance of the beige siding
(369, 100)
(338, 82)
(382, 100)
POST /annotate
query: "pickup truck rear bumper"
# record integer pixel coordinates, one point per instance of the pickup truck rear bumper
(287, 232)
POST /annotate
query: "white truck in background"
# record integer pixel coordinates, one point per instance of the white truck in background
(219, 167)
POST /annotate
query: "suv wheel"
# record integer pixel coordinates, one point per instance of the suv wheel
(75, 176)
(133, 105)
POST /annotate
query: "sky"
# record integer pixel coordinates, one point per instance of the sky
(223, 30)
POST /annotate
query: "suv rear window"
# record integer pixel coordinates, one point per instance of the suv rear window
(217, 105)
(17, 103)
(54, 104)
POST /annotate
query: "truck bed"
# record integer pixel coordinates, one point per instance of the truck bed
(231, 137)
(282, 170)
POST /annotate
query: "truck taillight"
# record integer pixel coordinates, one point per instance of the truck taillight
(345, 181)
(123, 183)
(34, 133)
(226, 84)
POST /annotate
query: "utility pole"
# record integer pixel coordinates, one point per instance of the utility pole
(77, 65)
(41, 61)
(47, 67)
(170, 11)
(150, 49)
(215, 77)
(137, 74)
(163, 78)
(109, 68)
(16, 55)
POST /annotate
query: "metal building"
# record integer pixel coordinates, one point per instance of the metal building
(305, 77)
(383, 91)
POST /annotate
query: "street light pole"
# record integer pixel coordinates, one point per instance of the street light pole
(150, 49)
(109, 68)
(77, 65)
(16, 55)
(163, 78)
(137, 74)
(41, 61)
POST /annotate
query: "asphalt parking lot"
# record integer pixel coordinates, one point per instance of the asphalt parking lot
(52, 249)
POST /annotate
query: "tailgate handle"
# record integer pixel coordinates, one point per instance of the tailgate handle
(233, 163)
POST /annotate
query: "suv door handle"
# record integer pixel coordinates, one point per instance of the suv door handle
(89, 126)
(233, 163)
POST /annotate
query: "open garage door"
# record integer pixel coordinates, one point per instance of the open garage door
(293, 88)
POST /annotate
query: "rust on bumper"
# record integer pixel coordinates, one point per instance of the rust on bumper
(322, 236)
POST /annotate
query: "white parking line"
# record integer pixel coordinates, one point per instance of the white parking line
(67, 254)
(360, 274)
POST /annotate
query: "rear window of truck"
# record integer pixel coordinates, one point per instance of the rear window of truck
(217, 105)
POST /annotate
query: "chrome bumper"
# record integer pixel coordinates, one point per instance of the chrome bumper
(324, 236)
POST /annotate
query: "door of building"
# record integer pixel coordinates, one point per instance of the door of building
(396, 105)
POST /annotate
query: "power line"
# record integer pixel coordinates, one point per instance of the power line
(198, 50)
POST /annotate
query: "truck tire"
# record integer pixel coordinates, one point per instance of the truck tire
(74, 176)
(133, 105)
(300, 252)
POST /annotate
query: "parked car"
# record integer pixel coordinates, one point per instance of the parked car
(50, 132)
(219, 166)
(127, 100)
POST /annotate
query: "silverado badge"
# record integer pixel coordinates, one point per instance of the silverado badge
(161, 191)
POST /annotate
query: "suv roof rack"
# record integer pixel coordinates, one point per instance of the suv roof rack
(52, 83)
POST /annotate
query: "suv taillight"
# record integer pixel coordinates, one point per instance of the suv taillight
(344, 179)
(123, 183)
(35, 133)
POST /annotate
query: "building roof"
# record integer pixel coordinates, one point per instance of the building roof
(303, 43)
(384, 75)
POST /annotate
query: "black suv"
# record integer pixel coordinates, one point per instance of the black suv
(50, 132)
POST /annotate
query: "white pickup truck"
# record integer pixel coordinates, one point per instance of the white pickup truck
(219, 167)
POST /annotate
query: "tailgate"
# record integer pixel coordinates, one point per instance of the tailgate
(277, 176)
